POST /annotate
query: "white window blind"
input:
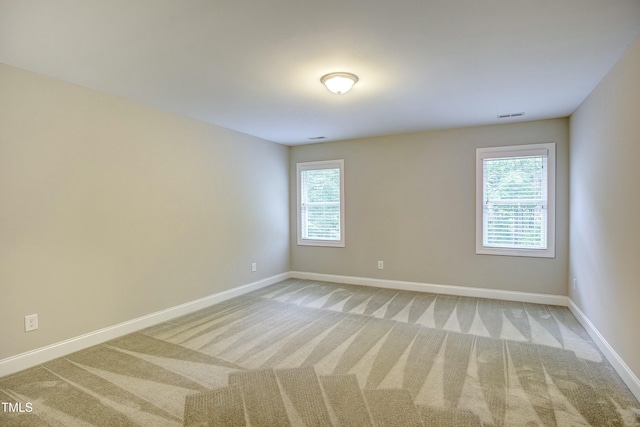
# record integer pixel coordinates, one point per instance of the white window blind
(320, 204)
(515, 206)
(515, 202)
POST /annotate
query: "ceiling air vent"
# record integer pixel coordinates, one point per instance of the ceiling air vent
(506, 116)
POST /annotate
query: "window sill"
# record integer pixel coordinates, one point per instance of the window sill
(322, 243)
(531, 253)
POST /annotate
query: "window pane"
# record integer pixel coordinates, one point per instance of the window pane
(321, 185)
(515, 226)
(320, 204)
(515, 205)
(322, 222)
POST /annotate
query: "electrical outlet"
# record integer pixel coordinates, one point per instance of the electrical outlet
(30, 322)
(575, 282)
(380, 265)
(254, 267)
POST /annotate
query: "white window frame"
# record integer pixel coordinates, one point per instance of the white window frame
(517, 151)
(325, 164)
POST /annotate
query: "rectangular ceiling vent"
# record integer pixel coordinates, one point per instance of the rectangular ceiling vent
(506, 116)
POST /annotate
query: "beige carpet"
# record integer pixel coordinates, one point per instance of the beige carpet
(310, 353)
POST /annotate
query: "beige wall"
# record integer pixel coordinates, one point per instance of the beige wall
(111, 210)
(605, 207)
(410, 201)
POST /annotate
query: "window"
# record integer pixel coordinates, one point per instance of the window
(321, 203)
(515, 200)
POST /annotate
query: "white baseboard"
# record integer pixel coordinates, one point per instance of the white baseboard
(627, 375)
(437, 289)
(44, 354)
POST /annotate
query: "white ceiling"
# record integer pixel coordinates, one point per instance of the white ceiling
(254, 65)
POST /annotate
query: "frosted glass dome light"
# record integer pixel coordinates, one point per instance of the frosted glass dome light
(339, 83)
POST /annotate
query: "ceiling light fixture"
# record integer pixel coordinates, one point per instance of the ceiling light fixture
(339, 83)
